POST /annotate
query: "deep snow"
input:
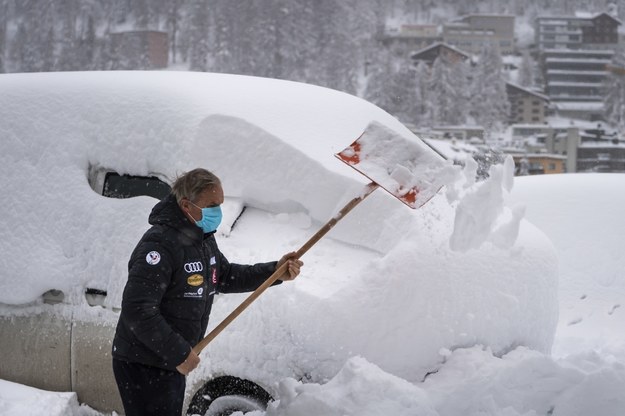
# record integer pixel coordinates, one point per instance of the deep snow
(394, 296)
(585, 376)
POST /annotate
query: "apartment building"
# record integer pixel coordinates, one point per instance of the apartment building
(406, 38)
(598, 31)
(472, 32)
(574, 52)
(526, 106)
(574, 80)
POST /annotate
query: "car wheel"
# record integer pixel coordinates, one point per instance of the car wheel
(225, 395)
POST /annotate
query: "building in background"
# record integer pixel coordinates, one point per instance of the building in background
(407, 38)
(574, 80)
(139, 49)
(431, 52)
(538, 163)
(582, 31)
(526, 106)
(600, 150)
(472, 32)
(574, 52)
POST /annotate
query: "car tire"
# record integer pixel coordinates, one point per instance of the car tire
(225, 395)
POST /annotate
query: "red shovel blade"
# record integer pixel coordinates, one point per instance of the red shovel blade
(405, 167)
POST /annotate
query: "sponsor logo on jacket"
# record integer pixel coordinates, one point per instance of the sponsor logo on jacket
(194, 295)
(195, 280)
(193, 267)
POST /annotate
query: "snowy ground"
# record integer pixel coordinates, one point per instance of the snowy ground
(584, 375)
(401, 301)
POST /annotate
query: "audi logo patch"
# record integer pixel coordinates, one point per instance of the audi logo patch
(193, 267)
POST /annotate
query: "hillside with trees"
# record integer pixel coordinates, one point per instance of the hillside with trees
(325, 42)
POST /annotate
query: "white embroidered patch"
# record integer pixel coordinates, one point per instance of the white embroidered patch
(153, 257)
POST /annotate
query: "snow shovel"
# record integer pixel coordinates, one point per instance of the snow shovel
(405, 167)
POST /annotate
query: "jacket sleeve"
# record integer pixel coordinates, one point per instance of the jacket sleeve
(150, 272)
(238, 278)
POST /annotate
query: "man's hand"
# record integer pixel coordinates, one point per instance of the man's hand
(189, 364)
(294, 265)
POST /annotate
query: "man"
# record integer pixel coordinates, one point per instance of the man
(173, 274)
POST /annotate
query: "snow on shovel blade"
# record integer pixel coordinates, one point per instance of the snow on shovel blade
(407, 168)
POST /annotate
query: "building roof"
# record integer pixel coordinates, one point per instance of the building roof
(607, 52)
(580, 106)
(580, 16)
(466, 16)
(528, 91)
(617, 20)
(438, 45)
(452, 150)
(521, 153)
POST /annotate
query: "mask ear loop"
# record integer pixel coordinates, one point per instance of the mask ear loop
(191, 216)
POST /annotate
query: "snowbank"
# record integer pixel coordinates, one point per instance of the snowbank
(17, 399)
(472, 382)
(582, 214)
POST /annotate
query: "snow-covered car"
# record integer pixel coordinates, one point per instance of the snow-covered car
(85, 155)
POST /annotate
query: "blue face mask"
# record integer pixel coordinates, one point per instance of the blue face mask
(211, 218)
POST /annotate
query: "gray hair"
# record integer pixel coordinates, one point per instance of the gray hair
(191, 184)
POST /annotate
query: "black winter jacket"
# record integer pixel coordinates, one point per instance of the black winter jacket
(173, 274)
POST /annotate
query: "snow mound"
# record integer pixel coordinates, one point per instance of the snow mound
(399, 308)
(471, 382)
(481, 214)
(17, 399)
(360, 388)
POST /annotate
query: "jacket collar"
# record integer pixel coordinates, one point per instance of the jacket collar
(168, 212)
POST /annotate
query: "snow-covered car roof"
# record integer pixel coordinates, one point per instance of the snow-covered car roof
(464, 269)
(272, 143)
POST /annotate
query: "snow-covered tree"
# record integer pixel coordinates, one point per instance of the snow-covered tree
(614, 101)
(199, 35)
(3, 36)
(422, 106)
(68, 44)
(526, 70)
(335, 62)
(489, 100)
(402, 91)
(378, 69)
(172, 25)
(447, 91)
(460, 78)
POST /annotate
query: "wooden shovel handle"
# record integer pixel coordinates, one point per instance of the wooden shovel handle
(283, 268)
